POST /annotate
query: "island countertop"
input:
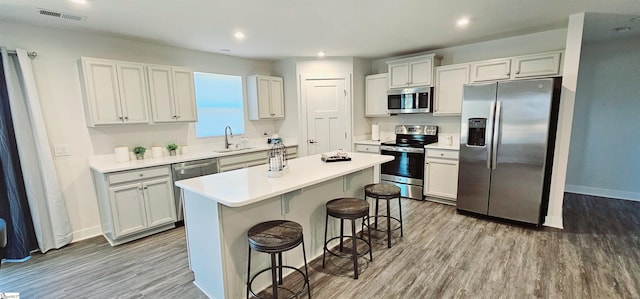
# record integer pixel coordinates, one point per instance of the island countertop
(249, 185)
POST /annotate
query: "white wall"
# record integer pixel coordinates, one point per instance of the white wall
(57, 77)
(605, 149)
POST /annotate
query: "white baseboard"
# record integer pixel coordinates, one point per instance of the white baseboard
(555, 222)
(602, 192)
(86, 233)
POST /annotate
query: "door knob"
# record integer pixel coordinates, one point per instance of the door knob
(312, 141)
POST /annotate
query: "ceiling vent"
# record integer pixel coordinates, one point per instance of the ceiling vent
(62, 15)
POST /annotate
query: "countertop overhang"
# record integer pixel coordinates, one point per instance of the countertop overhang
(249, 185)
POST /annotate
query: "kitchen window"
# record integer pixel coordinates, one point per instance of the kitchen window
(220, 103)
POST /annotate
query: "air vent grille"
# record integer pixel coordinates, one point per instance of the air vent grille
(56, 14)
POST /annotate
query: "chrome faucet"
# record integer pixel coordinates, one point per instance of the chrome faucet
(226, 137)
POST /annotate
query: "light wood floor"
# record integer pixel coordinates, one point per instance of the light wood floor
(442, 255)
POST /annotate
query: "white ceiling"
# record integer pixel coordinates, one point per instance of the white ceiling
(301, 28)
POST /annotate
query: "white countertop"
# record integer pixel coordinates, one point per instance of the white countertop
(108, 164)
(249, 185)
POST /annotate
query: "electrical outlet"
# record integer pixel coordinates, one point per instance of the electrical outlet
(61, 150)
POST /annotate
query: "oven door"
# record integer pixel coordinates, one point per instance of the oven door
(407, 167)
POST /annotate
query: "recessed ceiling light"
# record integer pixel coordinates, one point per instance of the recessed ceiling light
(238, 35)
(321, 54)
(622, 29)
(79, 1)
(462, 22)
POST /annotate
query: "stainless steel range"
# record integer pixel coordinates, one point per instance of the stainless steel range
(407, 170)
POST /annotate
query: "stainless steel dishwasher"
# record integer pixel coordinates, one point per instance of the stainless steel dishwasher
(187, 170)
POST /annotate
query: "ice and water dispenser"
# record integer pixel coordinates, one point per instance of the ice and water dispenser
(477, 128)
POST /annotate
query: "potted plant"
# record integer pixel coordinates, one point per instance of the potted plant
(139, 151)
(172, 147)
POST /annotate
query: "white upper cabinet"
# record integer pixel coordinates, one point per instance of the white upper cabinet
(376, 95)
(412, 71)
(491, 70)
(172, 94)
(266, 97)
(115, 92)
(450, 80)
(545, 64)
(526, 66)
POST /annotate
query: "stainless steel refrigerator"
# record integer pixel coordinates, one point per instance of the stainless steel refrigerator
(506, 148)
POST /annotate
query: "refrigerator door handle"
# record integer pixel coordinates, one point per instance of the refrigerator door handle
(496, 136)
(490, 146)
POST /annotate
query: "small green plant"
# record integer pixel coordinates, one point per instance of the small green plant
(172, 147)
(139, 150)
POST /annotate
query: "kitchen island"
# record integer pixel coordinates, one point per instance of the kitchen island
(220, 209)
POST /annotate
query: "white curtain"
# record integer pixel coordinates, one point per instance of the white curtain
(47, 206)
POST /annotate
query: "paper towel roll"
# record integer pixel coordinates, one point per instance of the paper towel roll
(375, 132)
(121, 153)
(156, 151)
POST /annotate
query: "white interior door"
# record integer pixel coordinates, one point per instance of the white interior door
(326, 114)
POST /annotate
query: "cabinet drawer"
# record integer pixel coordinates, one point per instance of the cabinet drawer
(128, 176)
(442, 154)
(368, 148)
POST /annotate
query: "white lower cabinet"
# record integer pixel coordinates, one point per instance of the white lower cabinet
(135, 203)
(441, 174)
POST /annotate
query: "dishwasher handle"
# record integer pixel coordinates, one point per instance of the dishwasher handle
(192, 166)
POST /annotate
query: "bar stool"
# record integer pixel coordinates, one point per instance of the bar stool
(275, 237)
(350, 209)
(386, 192)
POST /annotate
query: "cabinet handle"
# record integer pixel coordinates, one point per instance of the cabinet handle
(120, 117)
(517, 72)
(145, 187)
(508, 73)
(126, 118)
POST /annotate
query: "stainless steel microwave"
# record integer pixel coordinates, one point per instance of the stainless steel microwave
(410, 100)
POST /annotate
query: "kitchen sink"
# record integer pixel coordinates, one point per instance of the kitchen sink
(231, 149)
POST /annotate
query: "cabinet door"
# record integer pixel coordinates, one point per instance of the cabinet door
(276, 97)
(546, 64)
(376, 95)
(133, 93)
(102, 95)
(160, 206)
(184, 95)
(263, 85)
(490, 70)
(420, 72)
(161, 94)
(449, 86)
(128, 209)
(441, 178)
(398, 75)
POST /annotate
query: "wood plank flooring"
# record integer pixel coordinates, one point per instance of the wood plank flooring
(442, 255)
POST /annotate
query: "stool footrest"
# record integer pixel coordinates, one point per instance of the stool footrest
(294, 294)
(349, 256)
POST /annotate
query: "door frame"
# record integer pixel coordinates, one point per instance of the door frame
(303, 141)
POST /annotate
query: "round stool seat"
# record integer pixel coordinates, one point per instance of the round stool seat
(348, 208)
(275, 236)
(383, 190)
